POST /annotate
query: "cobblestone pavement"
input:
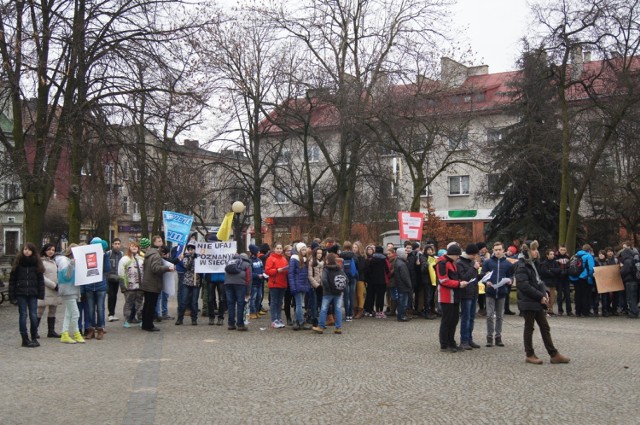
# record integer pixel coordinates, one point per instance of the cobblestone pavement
(377, 371)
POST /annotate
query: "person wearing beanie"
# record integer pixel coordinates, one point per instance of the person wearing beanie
(299, 284)
(468, 266)
(145, 243)
(448, 297)
(533, 300)
(351, 270)
(500, 269)
(403, 283)
(428, 271)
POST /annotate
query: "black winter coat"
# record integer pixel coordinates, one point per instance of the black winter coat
(628, 270)
(26, 281)
(550, 272)
(467, 272)
(530, 290)
(403, 278)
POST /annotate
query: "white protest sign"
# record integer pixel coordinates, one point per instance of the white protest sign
(213, 256)
(89, 263)
(169, 280)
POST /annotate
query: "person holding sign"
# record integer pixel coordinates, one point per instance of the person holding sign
(154, 268)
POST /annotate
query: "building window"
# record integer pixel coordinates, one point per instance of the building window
(11, 191)
(314, 153)
(136, 174)
(282, 196)
(495, 135)
(459, 142)
(86, 169)
(284, 158)
(125, 205)
(388, 189)
(492, 184)
(458, 185)
(108, 173)
(125, 170)
(426, 192)
(135, 209)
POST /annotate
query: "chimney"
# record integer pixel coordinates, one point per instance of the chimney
(191, 144)
(587, 56)
(452, 73)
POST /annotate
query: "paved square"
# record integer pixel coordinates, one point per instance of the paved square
(378, 371)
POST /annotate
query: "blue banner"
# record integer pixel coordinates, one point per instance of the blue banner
(176, 226)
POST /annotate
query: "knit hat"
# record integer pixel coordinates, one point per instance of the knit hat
(264, 248)
(191, 245)
(334, 248)
(300, 246)
(402, 254)
(481, 246)
(512, 250)
(314, 245)
(415, 245)
(254, 249)
(145, 243)
(441, 252)
(472, 249)
(454, 250)
(100, 241)
(528, 246)
(379, 249)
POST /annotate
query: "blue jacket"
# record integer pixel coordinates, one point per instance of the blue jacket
(175, 253)
(257, 271)
(588, 264)
(99, 286)
(298, 276)
(501, 268)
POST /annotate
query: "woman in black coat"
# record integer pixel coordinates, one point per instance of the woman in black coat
(26, 287)
(533, 299)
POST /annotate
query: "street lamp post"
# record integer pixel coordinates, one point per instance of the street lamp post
(238, 209)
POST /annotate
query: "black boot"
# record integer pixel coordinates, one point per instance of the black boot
(51, 323)
(25, 341)
(499, 341)
(34, 342)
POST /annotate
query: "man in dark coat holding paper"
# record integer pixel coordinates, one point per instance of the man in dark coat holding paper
(468, 266)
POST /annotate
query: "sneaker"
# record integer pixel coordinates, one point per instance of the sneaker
(262, 313)
(167, 317)
(126, 324)
(113, 318)
(220, 321)
(231, 328)
(66, 339)
(317, 330)
(78, 337)
(382, 315)
(242, 328)
(349, 318)
(279, 324)
(253, 316)
(110, 319)
(274, 325)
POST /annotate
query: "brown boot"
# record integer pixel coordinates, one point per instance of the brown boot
(533, 359)
(331, 320)
(359, 313)
(559, 358)
(90, 333)
(100, 334)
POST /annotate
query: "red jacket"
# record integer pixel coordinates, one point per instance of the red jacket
(448, 282)
(275, 262)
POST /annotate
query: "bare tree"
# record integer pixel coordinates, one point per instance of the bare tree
(355, 45)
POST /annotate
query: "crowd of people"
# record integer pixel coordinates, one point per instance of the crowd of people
(324, 285)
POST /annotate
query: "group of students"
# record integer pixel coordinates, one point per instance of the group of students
(319, 282)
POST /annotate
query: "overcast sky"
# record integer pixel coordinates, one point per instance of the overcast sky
(493, 30)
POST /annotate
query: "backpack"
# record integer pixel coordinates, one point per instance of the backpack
(233, 266)
(349, 266)
(576, 266)
(636, 263)
(338, 282)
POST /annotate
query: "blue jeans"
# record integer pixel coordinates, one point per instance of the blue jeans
(235, 303)
(162, 305)
(299, 296)
(403, 303)
(277, 297)
(467, 318)
(349, 295)
(312, 306)
(95, 299)
(337, 308)
(256, 297)
(188, 298)
(31, 304)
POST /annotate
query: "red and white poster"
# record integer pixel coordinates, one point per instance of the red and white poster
(410, 225)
